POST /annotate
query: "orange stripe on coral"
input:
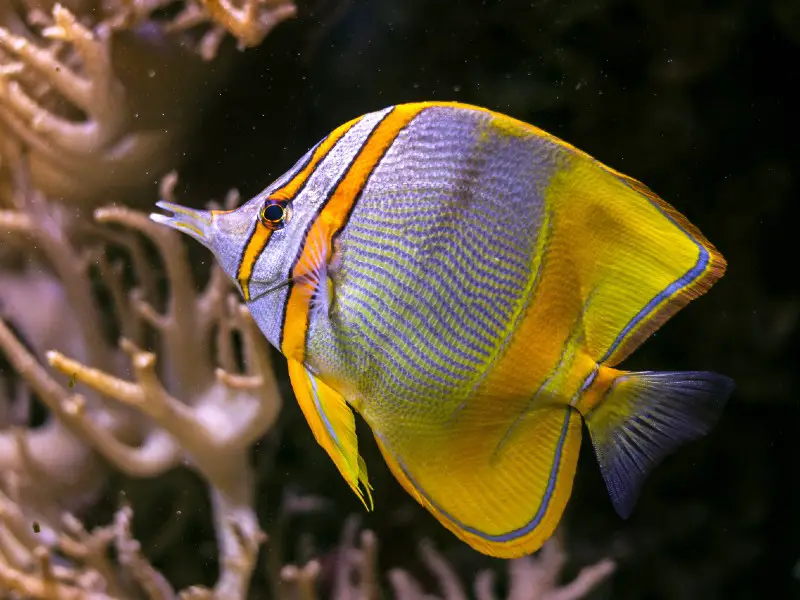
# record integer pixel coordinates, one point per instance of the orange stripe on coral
(331, 218)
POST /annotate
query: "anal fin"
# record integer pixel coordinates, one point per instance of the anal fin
(333, 425)
(503, 503)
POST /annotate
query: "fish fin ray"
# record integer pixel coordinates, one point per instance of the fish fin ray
(646, 416)
(333, 424)
(694, 289)
(665, 206)
(321, 259)
(505, 506)
(640, 257)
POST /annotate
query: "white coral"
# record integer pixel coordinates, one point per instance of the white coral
(198, 408)
(100, 105)
(63, 103)
(529, 578)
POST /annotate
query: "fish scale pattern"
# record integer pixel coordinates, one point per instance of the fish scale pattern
(436, 258)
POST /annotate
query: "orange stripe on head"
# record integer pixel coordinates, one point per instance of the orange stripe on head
(261, 234)
(330, 220)
(252, 250)
(294, 186)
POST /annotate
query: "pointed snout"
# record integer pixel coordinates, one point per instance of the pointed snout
(224, 232)
(196, 223)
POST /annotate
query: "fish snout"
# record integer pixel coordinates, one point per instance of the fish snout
(194, 222)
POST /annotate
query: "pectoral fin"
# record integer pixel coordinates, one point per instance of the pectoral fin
(334, 427)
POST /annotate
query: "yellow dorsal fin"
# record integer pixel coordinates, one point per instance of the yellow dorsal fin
(501, 494)
(334, 427)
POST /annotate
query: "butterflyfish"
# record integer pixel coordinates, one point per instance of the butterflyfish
(468, 284)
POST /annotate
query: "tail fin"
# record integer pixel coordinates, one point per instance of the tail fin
(646, 416)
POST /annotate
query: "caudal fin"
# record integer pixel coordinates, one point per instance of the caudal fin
(646, 416)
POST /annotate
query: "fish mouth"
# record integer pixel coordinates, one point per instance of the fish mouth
(193, 222)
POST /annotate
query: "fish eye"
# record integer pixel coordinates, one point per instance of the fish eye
(274, 214)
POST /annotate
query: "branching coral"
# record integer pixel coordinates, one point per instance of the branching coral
(197, 408)
(357, 574)
(249, 23)
(61, 98)
(213, 431)
(50, 462)
(81, 570)
(75, 564)
(100, 106)
(95, 92)
(529, 578)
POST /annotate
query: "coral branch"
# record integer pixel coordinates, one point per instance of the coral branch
(36, 587)
(108, 385)
(38, 571)
(29, 368)
(40, 220)
(301, 582)
(182, 335)
(448, 579)
(97, 92)
(239, 537)
(251, 23)
(90, 549)
(209, 424)
(529, 578)
(101, 112)
(212, 429)
(130, 556)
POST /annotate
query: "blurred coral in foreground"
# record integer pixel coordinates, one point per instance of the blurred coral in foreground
(79, 120)
(140, 427)
(102, 96)
(529, 578)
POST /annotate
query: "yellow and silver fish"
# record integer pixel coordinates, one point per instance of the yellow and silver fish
(467, 282)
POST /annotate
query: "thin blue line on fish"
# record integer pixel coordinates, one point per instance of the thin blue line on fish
(430, 307)
(543, 505)
(688, 277)
(568, 351)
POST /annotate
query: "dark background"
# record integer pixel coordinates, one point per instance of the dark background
(699, 100)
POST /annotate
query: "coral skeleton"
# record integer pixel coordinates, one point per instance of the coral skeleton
(529, 578)
(357, 574)
(249, 22)
(197, 408)
(101, 102)
(61, 98)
